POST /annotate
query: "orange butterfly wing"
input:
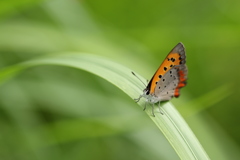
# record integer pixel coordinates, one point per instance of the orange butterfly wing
(176, 56)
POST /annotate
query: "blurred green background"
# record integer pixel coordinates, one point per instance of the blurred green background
(53, 112)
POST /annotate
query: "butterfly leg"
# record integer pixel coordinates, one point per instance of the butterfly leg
(145, 106)
(160, 108)
(137, 99)
(153, 110)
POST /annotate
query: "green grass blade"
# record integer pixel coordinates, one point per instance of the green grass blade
(207, 100)
(171, 123)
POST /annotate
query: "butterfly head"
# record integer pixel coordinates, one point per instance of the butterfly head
(149, 97)
(146, 91)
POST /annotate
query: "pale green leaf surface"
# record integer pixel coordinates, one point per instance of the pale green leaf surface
(170, 123)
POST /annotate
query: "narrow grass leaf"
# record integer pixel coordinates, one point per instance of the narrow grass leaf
(171, 123)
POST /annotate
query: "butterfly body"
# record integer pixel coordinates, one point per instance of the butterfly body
(169, 77)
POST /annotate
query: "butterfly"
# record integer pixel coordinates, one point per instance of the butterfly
(168, 79)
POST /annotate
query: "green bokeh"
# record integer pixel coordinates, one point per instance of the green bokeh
(60, 113)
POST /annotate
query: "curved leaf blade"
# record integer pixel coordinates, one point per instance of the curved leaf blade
(171, 123)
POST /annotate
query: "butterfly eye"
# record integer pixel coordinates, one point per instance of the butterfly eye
(147, 93)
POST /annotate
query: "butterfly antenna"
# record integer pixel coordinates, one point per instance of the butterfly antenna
(139, 78)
